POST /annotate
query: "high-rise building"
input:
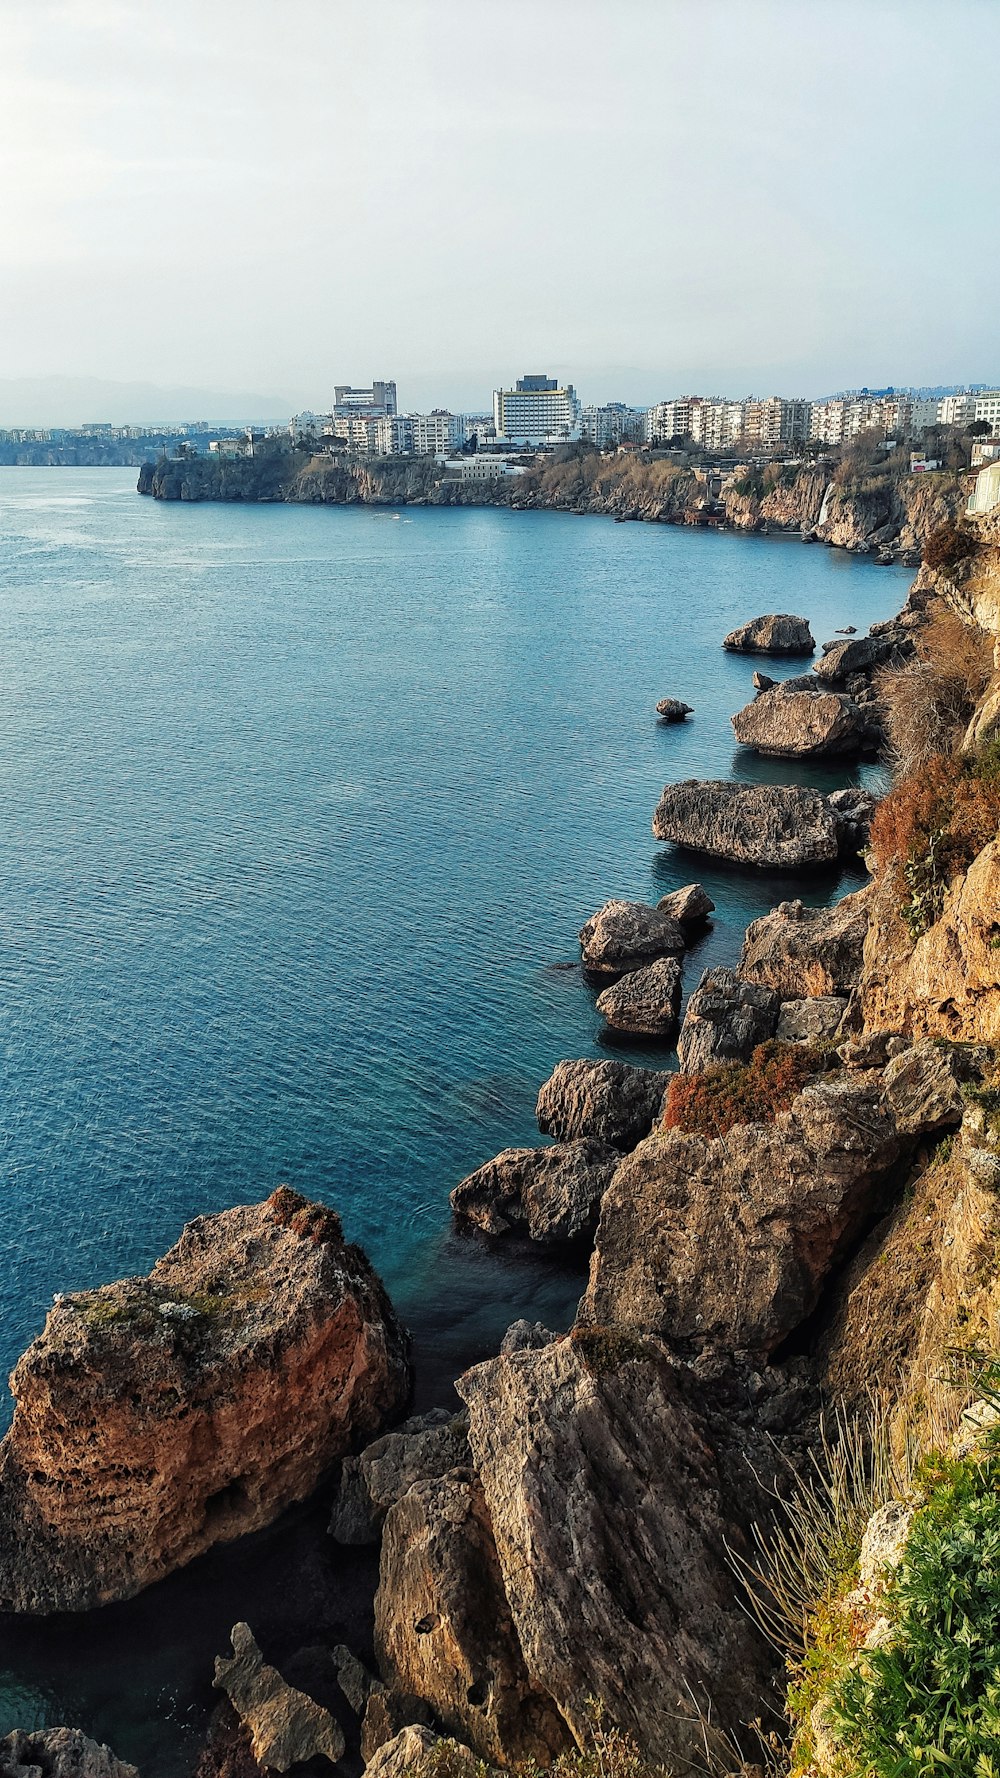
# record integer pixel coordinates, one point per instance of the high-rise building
(988, 408)
(436, 434)
(610, 425)
(669, 419)
(539, 410)
(379, 399)
(775, 421)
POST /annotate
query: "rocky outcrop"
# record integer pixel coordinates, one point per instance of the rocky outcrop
(645, 1002)
(607, 1102)
(689, 906)
(778, 633)
(624, 935)
(726, 1242)
(551, 1194)
(924, 1088)
(726, 1019)
(672, 710)
(947, 982)
(58, 1753)
(799, 950)
(443, 1625)
(802, 725)
(779, 826)
(815, 1020)
(841, 660)
(160, 1415)
(285, 1726)
(604, 1500)
(421, 1449)
(418, 1753)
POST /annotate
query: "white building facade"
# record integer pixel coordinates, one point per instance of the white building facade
(538, 410)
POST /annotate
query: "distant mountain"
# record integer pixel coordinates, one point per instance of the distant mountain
(75, 401)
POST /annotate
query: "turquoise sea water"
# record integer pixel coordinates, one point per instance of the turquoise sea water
(302, 810)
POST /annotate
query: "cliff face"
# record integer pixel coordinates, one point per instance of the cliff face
(160, 1415)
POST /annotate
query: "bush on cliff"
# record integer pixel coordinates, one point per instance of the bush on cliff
(754, 1092)
(931, 826)
(929, 701)
(948, 545)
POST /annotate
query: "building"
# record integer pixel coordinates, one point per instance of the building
(393, 435)
(669, 419)
(923, 413)
(988, 408)
(611, 425)
(437, 433)
(956, 410)
(986, 494)
(379, 399)
(775, 421)
(486, 469)
(538, 410)
(984, 450)
(716, 424)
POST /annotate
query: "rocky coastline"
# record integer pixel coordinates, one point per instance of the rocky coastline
(802, 1215)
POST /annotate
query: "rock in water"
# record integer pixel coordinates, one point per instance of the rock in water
(609, 1102)
(672, 710)
(799, 950)
(645, 1003)
(781, 826)
(553, 1193)
(624, 935)
(58, 1753)
(604, 1502)
(779, 633)
(285, 1726)
(689, 906)
(802, 725)
(158, 1416)
(726, 1019)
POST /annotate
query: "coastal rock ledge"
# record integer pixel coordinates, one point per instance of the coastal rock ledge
(158, 1416)
(783, 826)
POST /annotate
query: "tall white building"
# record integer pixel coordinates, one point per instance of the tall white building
(669, 419)
(538, 410)
(716, 424)
(607, 426)
(957, 410)
(380, 398)
(436, 434)
(775, 420)
(988, 408)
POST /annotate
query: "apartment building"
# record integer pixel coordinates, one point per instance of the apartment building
(669, 419)
(611, 425)
(437, 433)
(775, 421)
(988, 408)
(377, 400)
(538, 410)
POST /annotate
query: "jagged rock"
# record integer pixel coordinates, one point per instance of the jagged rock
(726, 1242)
(948, 983)
(604, 1499)
(923, 1089)
(689, 906)
(645, 1002)
(525, 1336)
(609, 1102)
(863, 655)
(413, 1753)
(726, 1019)
(386, 1714)
(426, 1446)
(443, 1628)
(354, 1678)
(853, 809)
(800, 725)
(782, 826)
(672, 710)
(285, 1725)
(778, 633)
(800, 951)
(625, 935)
(158, 1416)
(763, 681)
(816, 1020)
(872, 1049)
(552, 1194)
(58, 1753)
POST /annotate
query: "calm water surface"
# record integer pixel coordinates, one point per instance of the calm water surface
(302, 811)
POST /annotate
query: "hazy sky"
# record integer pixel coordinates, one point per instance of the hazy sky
(646, 196)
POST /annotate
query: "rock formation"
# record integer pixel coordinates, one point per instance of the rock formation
(800, 950)
(802, 725)
(778, 633)
(422, 1448)
(779, 826)
(689, 906)
(726, 1019)
(816, 1020)
(607, 1102)
(672, 710)
(645, 1002)
(946, 983)
(285, 1726)
(158, 1416)
(58, 1753)
(551, 1194)
(624, 935)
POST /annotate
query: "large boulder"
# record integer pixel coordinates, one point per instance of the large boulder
(802, 725)
(778, 633)
(779, 826)
(443, 1626)
(726, 1019)
(923, 1086)
(645, 1002)
(604, 1499)
(58, 1753)
(160, 1415)
(725, 1242)
(426, 1446)
(815, 1020)
(551, 1194)
(689, 906)
(624, 935)
(839, 660)
(607, 1102)
(285, 1726)
(799, 950)
(416, 1752)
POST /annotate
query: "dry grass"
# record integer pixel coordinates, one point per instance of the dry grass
(948, 545)
(928, 703)
(931, 826)
(754, 1092)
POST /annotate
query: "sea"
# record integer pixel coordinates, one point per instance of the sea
(302, 810)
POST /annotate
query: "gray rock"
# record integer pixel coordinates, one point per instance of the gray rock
(922, 1088)
(552, 1194)
(609, 1102)
(778, 633)
(800, 725)
(800, 950)
(285, 1726)
(763, 681)
(672, 710)
(726, 1019)
(414, 1752)
(689, 906)
(624, 935)
(645, 1002)
(811, 1021)
(427, 1445)
(780, 826)
(58, 1753)
(354, 1678)
(863, 655)
(526, 1336)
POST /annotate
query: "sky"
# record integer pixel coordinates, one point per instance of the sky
(255, 199)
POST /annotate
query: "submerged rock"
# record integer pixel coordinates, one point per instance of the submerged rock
(782, 826)
(58, 1753)
(689, 906)
(672, 710)
(802, 725)
(285, 1726)
(608, 1102)
(645, 1002)
(552, 1194)
(424, 1447)
(158, 1416)
(726, 1019)
(624, 935)
(779, 633)
(801, 951)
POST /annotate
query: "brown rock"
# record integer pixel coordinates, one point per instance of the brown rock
(689, 906)
(726, 1019)
(58, 1753)
(645, 1002)
(443, 1628)
(778, 633)
(863, 655)
(727, 1242)
(552, 1194)
(426, 1446)
(672, 710)
(625, 935)
(608, 1102)
(923, 1089)
(800, 725)
(810, 1021)
(386, 1713)
(781, 826)
(604, 1499)
(160, 1415)
(947, 984)
(419, 1753)
(801, 951)
(284, 1725)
